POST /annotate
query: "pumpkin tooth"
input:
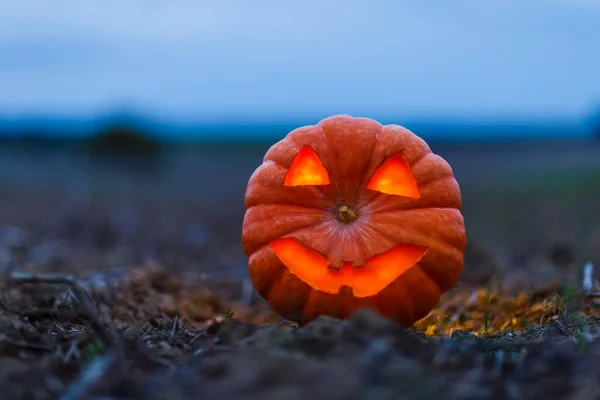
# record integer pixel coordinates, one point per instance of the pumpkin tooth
(359, 260)
(337, 264)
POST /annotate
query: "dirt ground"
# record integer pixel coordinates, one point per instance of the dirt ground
(162, 307)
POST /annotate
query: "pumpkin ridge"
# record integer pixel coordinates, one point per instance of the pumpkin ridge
(258, 275)
(367, 232)
(427, 150)
(421, 158)
(341, 238)
(419, 266)
(384, 234)
(393, 293)
(361, 238)
(281, 278)
(424, 263)
(412, 166)
(437, 245)
(344, 134)
(254, 224)
(426, 182)
(293, 232)
(298, 146)
(332, 234)
(432, 242)
(365, 180)
(438, 159)
(448, 174)
(320, 126)
(267, 179)
(415, 208)
(293, 204)
(311, 293)
(425, 207)
(287, 205)
(320, 188)
(421, 186)
(411, 206)
(436, 239)
(276, 281)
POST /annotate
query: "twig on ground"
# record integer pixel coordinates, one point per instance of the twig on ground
(588, 280)
(588, 277)
(62, 306)
(174, 329)
(72, 352)
(287, 323)
(24, 345)
(101, 364)
(247, 292)
(108, 336)
(561, 327)
(498, 363)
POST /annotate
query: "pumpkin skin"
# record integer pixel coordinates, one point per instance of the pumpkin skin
(345, 238)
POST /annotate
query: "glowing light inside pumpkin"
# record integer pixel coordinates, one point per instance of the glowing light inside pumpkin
(306, 169)
(394, 177)
(312, 267)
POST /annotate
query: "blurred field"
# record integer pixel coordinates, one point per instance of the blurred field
(521, 200)
(164, 226)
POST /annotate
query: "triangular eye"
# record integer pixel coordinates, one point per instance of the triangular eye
(306, 169)
(395, 177)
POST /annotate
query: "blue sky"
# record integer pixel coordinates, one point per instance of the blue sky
(189, 59)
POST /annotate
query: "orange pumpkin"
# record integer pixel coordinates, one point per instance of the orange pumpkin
(349, 214)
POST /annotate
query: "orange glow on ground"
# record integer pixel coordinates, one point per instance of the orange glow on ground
(306, 169)
(312, 267)
(394, 177)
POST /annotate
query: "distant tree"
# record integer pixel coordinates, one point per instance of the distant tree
(595, 125)
(123, 139)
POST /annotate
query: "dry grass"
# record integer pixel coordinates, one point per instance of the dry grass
(484, 311)
(164, 327)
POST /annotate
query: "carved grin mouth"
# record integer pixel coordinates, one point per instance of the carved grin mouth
(365, 280)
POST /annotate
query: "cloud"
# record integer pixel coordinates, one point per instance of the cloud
(189, 56)
(189, 21)
(593, 5)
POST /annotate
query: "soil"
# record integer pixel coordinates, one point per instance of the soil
(154, 244)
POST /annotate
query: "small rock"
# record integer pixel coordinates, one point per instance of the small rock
(270, 336)
(15, 238)
(195, 236)
(561, 254)
(71, 226)
(232, 331)
(124, 221)
(366, 325)
(318, 337)
(49, 253)
(370, 324)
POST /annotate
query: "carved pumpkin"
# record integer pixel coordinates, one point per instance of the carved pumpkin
(349, 214)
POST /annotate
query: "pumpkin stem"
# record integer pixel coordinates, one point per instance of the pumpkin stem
(345, 214)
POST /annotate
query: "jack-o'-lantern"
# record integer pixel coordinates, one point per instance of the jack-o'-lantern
(349, 213)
